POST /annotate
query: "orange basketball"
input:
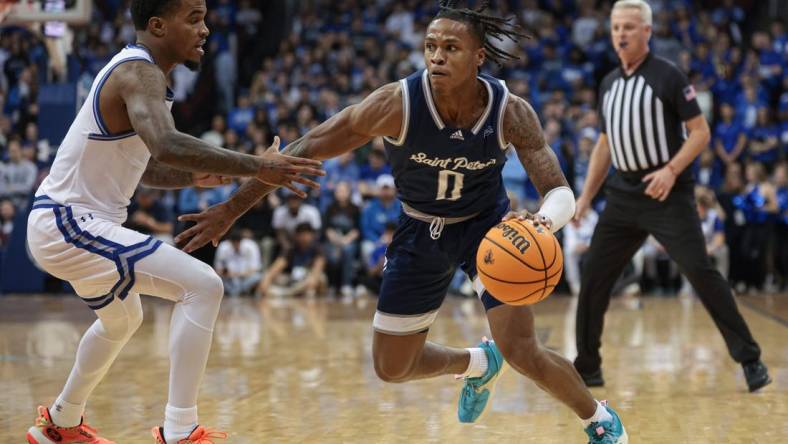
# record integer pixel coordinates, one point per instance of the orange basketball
(519, 263)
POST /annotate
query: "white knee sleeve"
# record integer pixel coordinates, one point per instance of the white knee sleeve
(203, 298)
(120, 319)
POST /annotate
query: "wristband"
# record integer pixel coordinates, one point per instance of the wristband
(558, 206)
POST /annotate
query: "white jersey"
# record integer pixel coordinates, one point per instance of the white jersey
(94, 169)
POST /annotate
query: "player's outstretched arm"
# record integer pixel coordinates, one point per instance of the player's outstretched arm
(142, 85)
(522, 129)
(379, 114)
(159, 175)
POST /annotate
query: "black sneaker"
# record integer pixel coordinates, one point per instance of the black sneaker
(756, 374)
(593, 379)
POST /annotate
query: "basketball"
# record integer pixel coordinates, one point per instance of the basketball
(518, 263)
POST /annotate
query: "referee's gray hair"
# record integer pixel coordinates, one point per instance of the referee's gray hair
(645, 8)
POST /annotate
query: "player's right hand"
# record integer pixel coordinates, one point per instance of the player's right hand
(283, 170)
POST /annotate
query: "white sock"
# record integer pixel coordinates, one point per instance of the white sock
(601, 415)
(477, 365)
(66, 414)
(178, 423)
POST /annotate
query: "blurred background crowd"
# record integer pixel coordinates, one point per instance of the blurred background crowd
(282, 67)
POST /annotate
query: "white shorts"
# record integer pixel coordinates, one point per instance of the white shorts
(97, 257)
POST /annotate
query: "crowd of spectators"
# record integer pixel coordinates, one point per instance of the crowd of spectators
(338, 52)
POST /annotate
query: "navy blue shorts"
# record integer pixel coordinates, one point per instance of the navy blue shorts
(419, 270)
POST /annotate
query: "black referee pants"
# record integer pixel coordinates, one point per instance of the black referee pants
(623, 226)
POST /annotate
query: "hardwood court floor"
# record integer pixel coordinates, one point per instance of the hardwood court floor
(299, 371)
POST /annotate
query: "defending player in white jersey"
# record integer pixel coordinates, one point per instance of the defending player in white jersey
(123, 135)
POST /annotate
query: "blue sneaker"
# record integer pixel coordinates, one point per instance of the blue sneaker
(476, 392)
(607, 432)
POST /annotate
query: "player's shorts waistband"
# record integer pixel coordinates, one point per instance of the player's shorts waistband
(44, 201)
(428, 218)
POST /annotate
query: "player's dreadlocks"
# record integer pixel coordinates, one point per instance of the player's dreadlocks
(485, 27)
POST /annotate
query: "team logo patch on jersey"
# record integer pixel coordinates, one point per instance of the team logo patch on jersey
(457, 135)
(689, 93)
(487, 131)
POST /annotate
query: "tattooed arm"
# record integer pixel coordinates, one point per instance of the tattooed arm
(141, 87)
(159, 175)
(522, 129)
(379, 114)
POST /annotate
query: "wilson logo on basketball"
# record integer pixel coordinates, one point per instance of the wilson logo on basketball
(518, 240)
(488, 258)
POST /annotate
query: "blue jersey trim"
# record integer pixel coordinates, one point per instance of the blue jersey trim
(118, 136)
(136, 46)
(96, 96)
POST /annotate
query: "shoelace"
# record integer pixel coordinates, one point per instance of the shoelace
(436, 227)
(206, 437)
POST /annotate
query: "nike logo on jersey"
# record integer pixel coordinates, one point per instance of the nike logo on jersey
(457, 135)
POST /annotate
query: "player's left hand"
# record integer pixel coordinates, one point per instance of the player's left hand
(537, 219)
(660, 183)
(209, 226)
(205, 180)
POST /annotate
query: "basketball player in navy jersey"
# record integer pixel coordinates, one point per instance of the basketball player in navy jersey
(446, 131)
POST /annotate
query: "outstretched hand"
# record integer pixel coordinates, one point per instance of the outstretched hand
(210, 226)
(283, 170)
(537, 219)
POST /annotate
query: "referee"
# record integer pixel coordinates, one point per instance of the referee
(642, 105)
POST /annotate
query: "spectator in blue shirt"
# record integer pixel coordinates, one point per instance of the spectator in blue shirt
(239, 117)
(381, 210)
(747, 104)
(338, 169)
(764, 140)
(375, 167)
(729, 137)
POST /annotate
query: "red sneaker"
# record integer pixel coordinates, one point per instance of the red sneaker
(200, 435)
(46, 432)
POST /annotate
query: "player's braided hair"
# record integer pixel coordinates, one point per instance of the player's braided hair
(143, 10)
(485, 27)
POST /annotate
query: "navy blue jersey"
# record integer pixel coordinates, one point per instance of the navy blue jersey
(444, 171)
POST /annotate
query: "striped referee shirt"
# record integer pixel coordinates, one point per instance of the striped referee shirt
(643, 114)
